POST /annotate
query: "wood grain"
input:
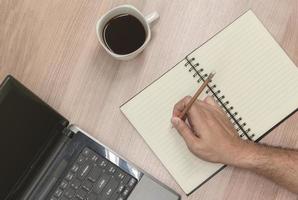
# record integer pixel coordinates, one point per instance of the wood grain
(51, 46)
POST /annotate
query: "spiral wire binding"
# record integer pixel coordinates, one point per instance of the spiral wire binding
(220, 99)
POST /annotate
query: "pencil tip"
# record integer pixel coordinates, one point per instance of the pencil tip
(212, 74)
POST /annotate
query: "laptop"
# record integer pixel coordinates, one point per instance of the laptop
(44, 157)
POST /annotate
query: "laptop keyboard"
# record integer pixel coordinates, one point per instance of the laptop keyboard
(93, 177)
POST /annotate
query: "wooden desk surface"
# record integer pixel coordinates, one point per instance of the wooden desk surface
(51, 46)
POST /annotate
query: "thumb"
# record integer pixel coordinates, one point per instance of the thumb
(184, 131)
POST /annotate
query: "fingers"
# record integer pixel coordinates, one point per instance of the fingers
(184, 131)
(226, 123)
(180, 105)
(194, 114)
(210, 101)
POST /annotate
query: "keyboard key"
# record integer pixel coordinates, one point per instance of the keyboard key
(103, 163)
(125, 192)
(84, 171)
(81, 193)
(86, 152)
(53, 198)
(94, 158)
(63, 184)
(120, 188)
(120, 198)
(69, 176)
(87, 185)
(58, 192)
(132, 182)
(125, 180)
(111, 168)
(94, 174)
(101, 183)
(75, 183)
(69, 192)
(81, 159)
(75, 168)
(120, 174)
(110, 188)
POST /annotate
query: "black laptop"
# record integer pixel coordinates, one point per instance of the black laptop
(44, 157)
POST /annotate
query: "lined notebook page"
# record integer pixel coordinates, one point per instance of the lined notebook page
(150, 113)
(252, 72)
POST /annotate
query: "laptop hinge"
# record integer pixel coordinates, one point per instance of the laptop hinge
(66, 131)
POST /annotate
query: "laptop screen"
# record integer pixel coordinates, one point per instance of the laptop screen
(26, 126)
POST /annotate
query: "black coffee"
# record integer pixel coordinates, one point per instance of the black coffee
(124, 34)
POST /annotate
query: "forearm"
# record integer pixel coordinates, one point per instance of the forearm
(211, 136)
(277, 164)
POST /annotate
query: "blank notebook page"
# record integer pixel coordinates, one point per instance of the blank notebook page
(252, 72)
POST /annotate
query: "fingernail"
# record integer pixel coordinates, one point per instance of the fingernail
(175, 121)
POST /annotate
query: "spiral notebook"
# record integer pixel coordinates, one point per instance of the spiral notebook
(256, 84)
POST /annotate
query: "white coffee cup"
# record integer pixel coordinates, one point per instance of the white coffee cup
(125, 9)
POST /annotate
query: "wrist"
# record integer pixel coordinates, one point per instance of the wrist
(247, 152)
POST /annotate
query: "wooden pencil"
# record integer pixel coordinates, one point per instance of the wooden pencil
(194, 98)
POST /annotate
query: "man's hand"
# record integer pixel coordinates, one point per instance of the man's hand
(209, 133)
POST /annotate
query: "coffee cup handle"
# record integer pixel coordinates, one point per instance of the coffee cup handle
(151, 18)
